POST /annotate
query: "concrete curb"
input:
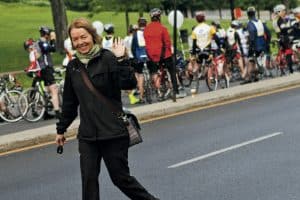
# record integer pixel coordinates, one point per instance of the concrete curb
(46, 134)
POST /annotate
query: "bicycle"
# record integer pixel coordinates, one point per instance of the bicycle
(205, 59)
(216, 73)
(9, 107)
(279, 60)
(164, 91)
(147, 84)
(36, 101)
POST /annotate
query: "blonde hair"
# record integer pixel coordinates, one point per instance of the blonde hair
(87, 25)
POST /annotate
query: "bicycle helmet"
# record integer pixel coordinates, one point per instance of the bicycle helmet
(109, 28)
(278, 8)
(155, 13)
(44, 30)
(296, 10)
(235, 24)
(28, 43)
(216, 24)
(200, 16)
(251, 11)
(142, 22)
(132, 28)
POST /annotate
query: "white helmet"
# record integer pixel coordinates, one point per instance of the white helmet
(296, 10)
(278, 8)
(235, 23)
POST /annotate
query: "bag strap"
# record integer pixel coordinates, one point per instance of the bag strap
(101, 97)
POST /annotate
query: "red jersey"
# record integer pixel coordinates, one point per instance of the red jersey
(157, 36)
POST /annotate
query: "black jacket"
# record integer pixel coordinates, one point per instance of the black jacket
(96, 120)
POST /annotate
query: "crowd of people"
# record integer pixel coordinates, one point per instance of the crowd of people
(149, 44)
(243, 43)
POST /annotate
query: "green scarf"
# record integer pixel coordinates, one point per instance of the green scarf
(85, 58)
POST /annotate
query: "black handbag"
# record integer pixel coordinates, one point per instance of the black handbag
(129, 119)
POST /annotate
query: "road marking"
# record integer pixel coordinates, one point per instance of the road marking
(224, 150)
(3, 123)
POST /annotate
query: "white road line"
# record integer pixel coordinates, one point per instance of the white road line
(3, 123)
(224, 150)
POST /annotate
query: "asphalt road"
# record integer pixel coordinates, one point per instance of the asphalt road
(247, 150)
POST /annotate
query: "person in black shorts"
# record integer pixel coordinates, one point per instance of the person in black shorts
(140, 57)
(46, 45)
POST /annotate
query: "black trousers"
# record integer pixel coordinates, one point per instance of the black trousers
(115, 155)
(169, 64)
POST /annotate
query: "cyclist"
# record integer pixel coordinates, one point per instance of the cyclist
(219, 44)
(140, 56)
(158, 47)
(296, 25)
(284, 29)
(244, 36)
(202, 36)
(30, 46)
(259, 34)
(46, 45)
(234, 48)
(128, 44)
(107, 40)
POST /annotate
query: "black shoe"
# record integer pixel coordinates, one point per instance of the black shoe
(245, 82)
(174, 96)
(141, 101)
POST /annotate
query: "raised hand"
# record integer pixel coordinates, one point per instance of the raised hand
(118, 47)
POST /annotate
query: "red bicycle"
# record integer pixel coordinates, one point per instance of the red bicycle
(216, 74)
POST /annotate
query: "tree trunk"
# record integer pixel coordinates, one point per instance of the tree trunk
(220, 13)
(127, 20)
(232, 9)
(60, 23)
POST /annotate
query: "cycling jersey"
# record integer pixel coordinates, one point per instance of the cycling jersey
(139, 46)
(158, 41)
(231, 37)
(46, 47)
(243, 34)
(296, 29)
(219, 41)
(233, 45)
(285, 34)
(203, 34)
(34, 64)
(127, 44)
(107, 42)
(258, 33)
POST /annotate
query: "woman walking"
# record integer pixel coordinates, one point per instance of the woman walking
(101, 135)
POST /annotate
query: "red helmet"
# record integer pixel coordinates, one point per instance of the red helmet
(200, 16)
(28, 43)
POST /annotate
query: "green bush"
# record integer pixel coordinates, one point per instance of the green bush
(78, 5)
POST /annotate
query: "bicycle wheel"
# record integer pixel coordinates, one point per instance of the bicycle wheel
(148, 92)
(35, 102)
(11, 112)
